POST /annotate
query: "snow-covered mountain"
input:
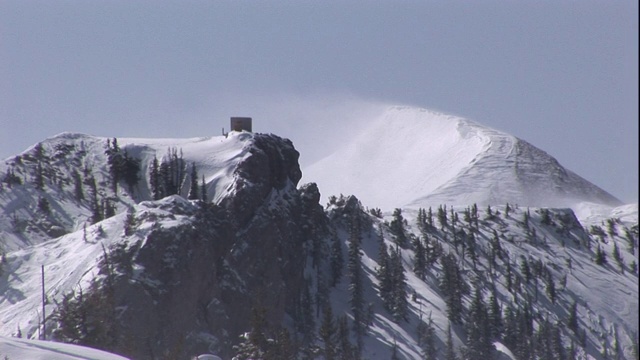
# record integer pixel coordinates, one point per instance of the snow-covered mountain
(67, 154)
(134, 267)
(411, 157)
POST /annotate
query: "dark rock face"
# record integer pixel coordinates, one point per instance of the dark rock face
(200, 280)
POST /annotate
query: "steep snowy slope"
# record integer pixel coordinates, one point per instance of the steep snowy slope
(415, 157)
(21, 222)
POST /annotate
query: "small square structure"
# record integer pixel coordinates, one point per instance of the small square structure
(240, 124)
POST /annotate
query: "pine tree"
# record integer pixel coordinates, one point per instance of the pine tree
(420, 259)
(551, 289)
(426, 339)
(203, 190)
(601, 256)
(336, 261)
(44, 207)
(38, 179)
(611, 228)
(328, 333)
(154, 180)
(451, 284)
(471, 249)
(442, 216)
(617, 256)
(399, 291)
(384, 275)
(631, 241)
(345, 349)
(355, 279)
(193, 190)
(77, 188)
(430, 218)
(495, 316)
(397, 228)
(572, 319)
(450, 350)
(479, 344)
(130, 222)
(545, 216)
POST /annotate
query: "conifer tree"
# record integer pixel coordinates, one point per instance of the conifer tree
(550, 288)
(336, 261)
(193, 190)
(572, 319)
(420, 259)
(611, 228)
(399, 291)
(43, 206)
(479, 344)
(471, 249)
(617, 256)
(452, 286)
(495, 316)
(77, 185)
(430, 218)
(345, 350)
(601, 256)
(426, 339)
(328, 333)
(355, 279)
(397, 228)
(442, 216)
(384, 275)
(203, 190)
(450, 353)
(631, 241)
(130, 222)
(38, 179)
(154, 180)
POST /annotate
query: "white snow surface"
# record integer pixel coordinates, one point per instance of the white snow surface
(411, 157)
(70, 263)
(215, 157)
(21, 349)
(503, 349)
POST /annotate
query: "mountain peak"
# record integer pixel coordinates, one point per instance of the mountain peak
(417, 157)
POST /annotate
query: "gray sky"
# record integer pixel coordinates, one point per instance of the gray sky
(562, 75)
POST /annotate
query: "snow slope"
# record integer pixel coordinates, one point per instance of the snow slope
(20, 349)
(410, 157)
(70, 263)
(216, 158)
(607, 298)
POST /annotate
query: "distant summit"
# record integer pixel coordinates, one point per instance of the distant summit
(411, 157)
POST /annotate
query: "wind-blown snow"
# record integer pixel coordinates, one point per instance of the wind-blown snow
(410, 157)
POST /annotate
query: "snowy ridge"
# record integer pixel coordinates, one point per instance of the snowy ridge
(215, 157)
(410, 157)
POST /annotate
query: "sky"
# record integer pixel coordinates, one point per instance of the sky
(562, 75)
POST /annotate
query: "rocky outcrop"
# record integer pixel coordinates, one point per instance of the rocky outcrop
(196, 283)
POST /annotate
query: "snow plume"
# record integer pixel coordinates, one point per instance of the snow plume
(407, 156)
(316, 123)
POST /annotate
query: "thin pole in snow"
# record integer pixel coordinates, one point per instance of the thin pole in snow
(44, 318)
